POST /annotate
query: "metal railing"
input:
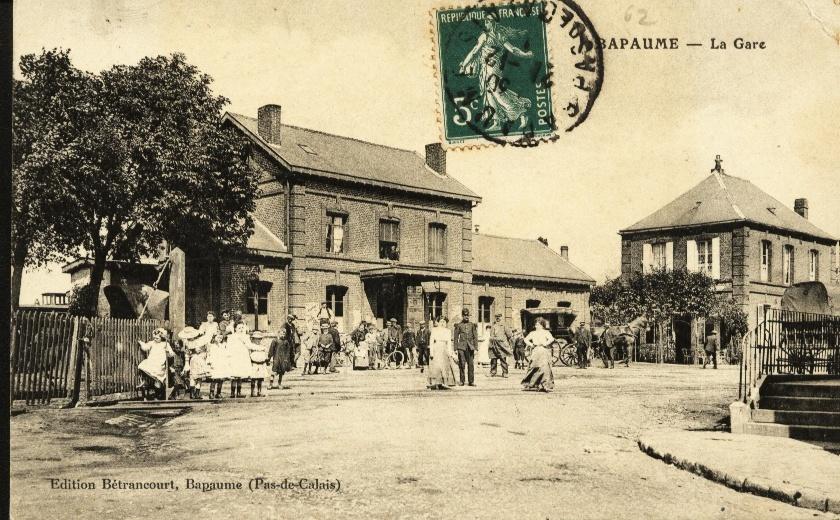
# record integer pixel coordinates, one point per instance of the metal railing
(788, 342)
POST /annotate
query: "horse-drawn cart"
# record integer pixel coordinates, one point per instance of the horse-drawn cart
(560, 319)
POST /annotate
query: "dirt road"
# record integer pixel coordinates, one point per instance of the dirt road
(378, 445)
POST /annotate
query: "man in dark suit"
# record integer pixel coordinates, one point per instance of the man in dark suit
(293, 337)
(423, 336)
(711, 347)
(394, 337)
(583, 341)
(465, 337)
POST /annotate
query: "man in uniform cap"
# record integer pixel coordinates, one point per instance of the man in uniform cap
(583, 342)
(500, 347)
(394, 337)
(465, 338)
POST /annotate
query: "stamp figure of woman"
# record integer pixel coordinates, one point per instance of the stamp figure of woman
(485, 60)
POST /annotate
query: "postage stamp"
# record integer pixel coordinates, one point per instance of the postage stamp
(515, 73)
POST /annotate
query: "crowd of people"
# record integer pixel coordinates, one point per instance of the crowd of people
(225, 351)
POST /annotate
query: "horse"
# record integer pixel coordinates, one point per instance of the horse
(614, 337)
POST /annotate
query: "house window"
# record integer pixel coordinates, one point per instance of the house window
(336, 230)
(389, 239)
(335, 299)
(435, 305)
(704, 256)
(813, 265)
(261, 300)
(437, 243)
(485, 309)
(659, 258)
(766, 260)
(787, 265)
(532, 304)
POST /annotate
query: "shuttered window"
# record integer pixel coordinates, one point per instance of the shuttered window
(437, 243)
(335, 233)
(813, 265)
(787, 265)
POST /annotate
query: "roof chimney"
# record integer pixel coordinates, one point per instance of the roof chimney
(268, 123)
(564, 252)
(436, 157)
(717, 167)
(801, 206)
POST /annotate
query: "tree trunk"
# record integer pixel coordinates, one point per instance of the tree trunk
(18, 265)
(94, 284)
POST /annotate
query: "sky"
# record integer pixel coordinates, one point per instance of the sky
(365, 69)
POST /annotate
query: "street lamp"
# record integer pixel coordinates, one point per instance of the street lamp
(254, 283)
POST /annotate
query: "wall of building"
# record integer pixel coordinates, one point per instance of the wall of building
(632, 248)
(510, 297)
(233, 289)
(365, 208)
(270, 206)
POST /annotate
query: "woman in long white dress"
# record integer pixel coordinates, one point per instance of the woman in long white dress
(441, 373)
(539, 376)
(239, 359)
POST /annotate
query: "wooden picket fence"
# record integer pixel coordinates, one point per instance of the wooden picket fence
(43, 355)
(57, 359)
(113, 355)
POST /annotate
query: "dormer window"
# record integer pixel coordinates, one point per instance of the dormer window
(307, 149)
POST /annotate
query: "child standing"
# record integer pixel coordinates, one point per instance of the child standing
(239, 358)
(280, 353)
(154, 366)
(217, 364)
(259, 363)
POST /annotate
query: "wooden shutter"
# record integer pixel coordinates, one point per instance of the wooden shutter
(691, 255)
(346, 239)
(669, 256)
(716, 258)
(647, 257)
(426, 239)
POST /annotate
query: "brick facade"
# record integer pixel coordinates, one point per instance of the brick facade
(740, 259)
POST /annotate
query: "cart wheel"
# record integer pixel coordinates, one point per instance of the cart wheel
(395, 357)
(568, 355)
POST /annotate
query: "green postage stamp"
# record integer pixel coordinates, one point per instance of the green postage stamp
(498, 81)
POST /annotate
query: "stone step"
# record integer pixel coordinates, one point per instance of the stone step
(803, 389)
(802, 404)
(794, 431)
(808, 418)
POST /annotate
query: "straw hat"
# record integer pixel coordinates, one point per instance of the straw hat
(188, 333)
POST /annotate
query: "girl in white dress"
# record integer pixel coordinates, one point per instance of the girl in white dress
(154, 366)
(217, 364)
(259, 363)
(239, 359)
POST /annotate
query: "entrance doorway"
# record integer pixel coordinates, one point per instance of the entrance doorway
(682, 340)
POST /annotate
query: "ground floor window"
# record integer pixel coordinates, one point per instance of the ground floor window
(335, 299)
(485, 309)
(435, 305)
(258, 301)
(532, 304)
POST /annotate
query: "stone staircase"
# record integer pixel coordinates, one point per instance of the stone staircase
(798, 407)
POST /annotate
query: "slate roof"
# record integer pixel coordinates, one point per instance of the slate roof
(262, 240)
(355, 160)
(721, 198)
(521, 258)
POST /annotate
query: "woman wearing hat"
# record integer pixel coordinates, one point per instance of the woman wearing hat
(154, 366)
(239, 358)
(441, 373)
(539, 376)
